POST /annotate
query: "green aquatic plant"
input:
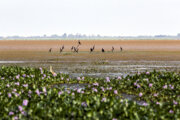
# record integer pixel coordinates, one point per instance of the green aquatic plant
(29, 93)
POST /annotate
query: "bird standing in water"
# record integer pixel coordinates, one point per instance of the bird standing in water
(51, 70)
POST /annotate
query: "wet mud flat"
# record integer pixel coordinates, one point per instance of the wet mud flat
(101, 68)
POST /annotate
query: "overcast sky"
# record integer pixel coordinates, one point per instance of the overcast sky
(104, 17)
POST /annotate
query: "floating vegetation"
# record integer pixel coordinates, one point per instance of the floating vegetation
(36, 93)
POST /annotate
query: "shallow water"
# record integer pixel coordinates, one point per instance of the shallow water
(100, 68)
(83, 86)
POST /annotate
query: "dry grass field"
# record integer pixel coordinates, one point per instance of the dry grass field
(153, 50)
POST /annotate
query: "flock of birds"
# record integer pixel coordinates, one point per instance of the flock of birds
(76, 49)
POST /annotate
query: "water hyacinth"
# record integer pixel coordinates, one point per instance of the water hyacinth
(157, 103)
(17, 83)
(146, 79)
(24, 75)
(94, 89)
(25, 102)
(78, 78)
(14, 90)
(44, 75)
(107, 79)
(172, 87)
(15, 118)
(32, 76)
(20, 108)
(174, 102)
(102, 88)
(147, 73)
(115, 92)
(9, 95)
(16, 94)
(103, 99)
(114, 119)
(79, 90)
(156, 94)
(94, 98)
(25, 85)
(7, 85)
(40, 68)
(119, 78)
(138, 86)
(145, 104)
(11, 113)
(109, 88)
(171, 111)
(165, 86)
(24, 113)
(140, 94)
(84, 104)
(150, 84)
(17, 77)
(96, 84)
(54, 74)
(60, 92)
(38, 92)
(29, 91)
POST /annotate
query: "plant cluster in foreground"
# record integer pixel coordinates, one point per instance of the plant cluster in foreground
(29, 93)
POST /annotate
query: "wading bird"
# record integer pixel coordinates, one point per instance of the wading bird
(103, 50)
(50, 50)
(51, 70)
(72, 48)
(92, 49)
(61, 49)
(76, 49)
(112, 49)
(121, 49)
(79, 43)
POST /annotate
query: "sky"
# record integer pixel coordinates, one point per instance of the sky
(104, 17)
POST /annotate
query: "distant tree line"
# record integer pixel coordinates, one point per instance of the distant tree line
(84, 36)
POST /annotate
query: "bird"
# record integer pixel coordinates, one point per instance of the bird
(51, 70)
(121, 49)
(92, 49)
(61, 50)
(112, 49)
(103, 50)
(72, 48)
(75, 49)
(79, 43)
(50, 50)
(63, 47)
